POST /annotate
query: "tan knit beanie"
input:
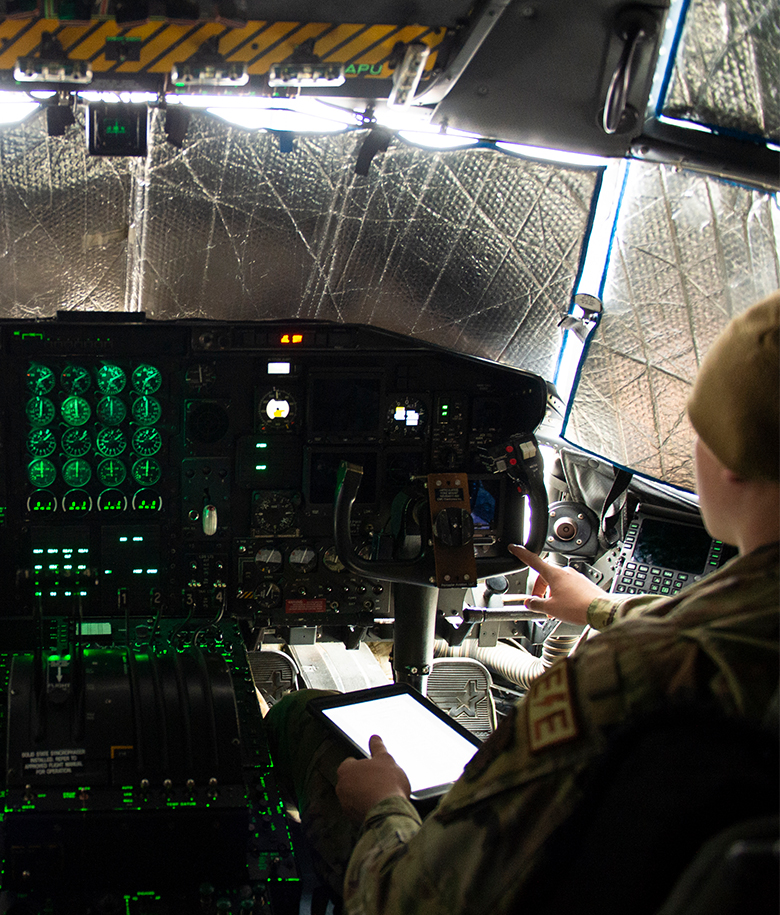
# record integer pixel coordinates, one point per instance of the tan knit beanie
(734, 402)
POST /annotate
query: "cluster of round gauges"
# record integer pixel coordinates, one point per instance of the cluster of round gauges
(97, 426)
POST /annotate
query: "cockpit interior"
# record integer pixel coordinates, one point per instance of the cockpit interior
(307, 312)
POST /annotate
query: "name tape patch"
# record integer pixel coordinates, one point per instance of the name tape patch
(551, 717)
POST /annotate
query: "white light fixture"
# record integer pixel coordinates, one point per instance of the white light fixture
(556, 156)
(434, 139)
(299, 115)
(15, 107)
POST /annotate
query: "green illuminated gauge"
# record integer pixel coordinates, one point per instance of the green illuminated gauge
(40, 379)
(75, 411)
(111, 472)
(146, 441)
(147, 411)
(41, 442)
(76, 500)
(147, 500)
(111, 441)
(111, 379)
(42, 501)
(111, 500)
(76, 472)
(76, 442)
(146, 471)
(40, 411)
(146, 379)
(41, 473)
(75, 379)
(110, 410)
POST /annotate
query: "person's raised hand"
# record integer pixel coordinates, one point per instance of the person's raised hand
(570, 592)
(364, 782)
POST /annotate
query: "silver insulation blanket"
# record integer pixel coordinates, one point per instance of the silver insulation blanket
(471, 249)
(689, 252)
(727, 70)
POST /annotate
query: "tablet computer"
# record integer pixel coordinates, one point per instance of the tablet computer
(427, 744)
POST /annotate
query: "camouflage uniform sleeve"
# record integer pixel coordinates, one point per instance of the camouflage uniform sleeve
(603, 611)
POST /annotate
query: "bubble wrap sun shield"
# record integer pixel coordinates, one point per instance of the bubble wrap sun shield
(471, 249)
(689, 252)
(727, 70)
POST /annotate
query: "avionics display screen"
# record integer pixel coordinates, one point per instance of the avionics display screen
(323, 467)
(683, 547)
(483, 495)
(345, 406)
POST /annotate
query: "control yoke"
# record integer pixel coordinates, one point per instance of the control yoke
(446, 557)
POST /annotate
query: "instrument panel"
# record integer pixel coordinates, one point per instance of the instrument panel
(182, 468)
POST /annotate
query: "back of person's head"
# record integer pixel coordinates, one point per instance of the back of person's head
(734, 406)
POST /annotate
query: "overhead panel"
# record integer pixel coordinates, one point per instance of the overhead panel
(154, 46)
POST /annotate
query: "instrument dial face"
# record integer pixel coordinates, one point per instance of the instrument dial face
(146, 441)
(41, 442)
(303, 559)
(76, 472)
(147, 472)
(277, 410)
(111, 441)
(75, 379)
(111, 500)
(146, 411)
(40, 379)
(332, 561)
(76, 442)
(146, 379)
(77, 500)
(274, 512)
(268, 560)
(268, 595)
(407, 417)
(111, 379)
(75, 411)
(200, 376)
(40, 411)
(110, 410)
(111, 472)
(41, 473)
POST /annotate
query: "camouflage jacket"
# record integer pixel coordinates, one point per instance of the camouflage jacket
(716, 641)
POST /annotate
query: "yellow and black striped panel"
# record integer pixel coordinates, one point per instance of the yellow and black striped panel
(155, 46)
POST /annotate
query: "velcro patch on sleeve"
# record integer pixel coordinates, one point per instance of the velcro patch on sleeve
(551, 717)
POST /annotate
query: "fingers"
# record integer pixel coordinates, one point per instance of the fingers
(376, 745)
(532, 560)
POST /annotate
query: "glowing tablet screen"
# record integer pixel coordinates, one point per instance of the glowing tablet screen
(430, 749)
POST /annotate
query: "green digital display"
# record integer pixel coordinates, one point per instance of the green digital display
(76, 500)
